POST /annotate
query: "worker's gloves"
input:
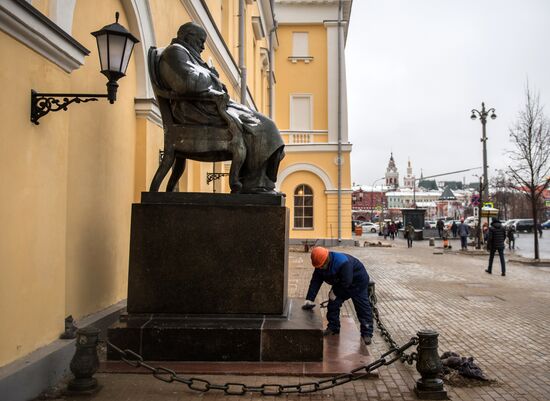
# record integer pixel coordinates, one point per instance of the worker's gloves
(331, 295)
(308, 305)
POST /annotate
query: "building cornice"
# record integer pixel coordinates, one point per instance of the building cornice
(317, 147)
(148, 108)
(26, 24)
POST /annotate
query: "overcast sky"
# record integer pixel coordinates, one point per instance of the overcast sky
(415, 70)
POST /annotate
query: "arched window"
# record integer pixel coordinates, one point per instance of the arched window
(303, 207)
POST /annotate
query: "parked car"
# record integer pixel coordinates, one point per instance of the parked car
(471, 221)
(546, 225)
(370, 227)
(449, 224)
(524, 225)
(510, 223)
(430, 224)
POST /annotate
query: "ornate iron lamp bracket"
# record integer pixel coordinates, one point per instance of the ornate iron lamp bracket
(43, 103)
(214, 176)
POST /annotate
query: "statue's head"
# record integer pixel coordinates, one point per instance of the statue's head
(192, 35)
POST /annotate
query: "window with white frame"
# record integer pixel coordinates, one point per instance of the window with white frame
(300, 44)
(303, 206)
(300, 112)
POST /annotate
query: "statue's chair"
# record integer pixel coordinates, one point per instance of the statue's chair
(193, 141)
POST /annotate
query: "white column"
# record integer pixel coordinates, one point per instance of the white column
(61, 12)
(332, 80)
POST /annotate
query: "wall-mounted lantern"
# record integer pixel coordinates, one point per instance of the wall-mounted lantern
(115, 45)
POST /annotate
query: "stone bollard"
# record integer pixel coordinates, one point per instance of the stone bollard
(432, 241)
(85, 362)
(429, 386)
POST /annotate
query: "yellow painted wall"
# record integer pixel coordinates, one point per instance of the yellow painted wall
(100, 176)
(33, 205)
(291, 77)
(71, 184)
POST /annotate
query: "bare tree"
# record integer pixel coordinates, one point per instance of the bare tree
(530, 160)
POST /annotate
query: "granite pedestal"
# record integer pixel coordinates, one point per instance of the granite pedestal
(208, 281)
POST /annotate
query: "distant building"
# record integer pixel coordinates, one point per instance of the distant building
(392, 175)
(367, 202)
(409, 181)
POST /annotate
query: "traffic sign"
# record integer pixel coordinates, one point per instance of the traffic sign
(488, 204)
(474, 200)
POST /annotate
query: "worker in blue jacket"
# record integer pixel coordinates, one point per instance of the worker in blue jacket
(349, 279)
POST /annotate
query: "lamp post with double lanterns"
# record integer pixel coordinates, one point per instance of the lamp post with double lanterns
(372, 196)
(115, 45)
(483, 118)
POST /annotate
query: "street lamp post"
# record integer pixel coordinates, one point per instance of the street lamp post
(372, 196)
(483, 117)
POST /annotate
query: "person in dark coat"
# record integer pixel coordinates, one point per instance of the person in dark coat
(495, 242)
(440, 226)
(463, 232)
(409, 234)
(511, 233)
(349, 279)
(454, 229)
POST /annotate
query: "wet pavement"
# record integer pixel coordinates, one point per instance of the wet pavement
(503, 322)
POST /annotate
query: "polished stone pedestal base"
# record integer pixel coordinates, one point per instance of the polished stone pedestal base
(294, 336)
(195, 253)
(208, 282)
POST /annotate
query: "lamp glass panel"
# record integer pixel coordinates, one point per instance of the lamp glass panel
(127, 53)
(116, 49)
(102, 47)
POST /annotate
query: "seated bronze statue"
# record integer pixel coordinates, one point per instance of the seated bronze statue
(202, 123)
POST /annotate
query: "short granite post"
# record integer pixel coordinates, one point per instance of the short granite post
(429, 386)
(85, 362)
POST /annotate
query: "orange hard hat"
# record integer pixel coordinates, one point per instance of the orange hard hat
(319, 256)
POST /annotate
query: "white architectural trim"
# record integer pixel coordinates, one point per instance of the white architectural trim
(140, 23)
(61, 12)
(294, 168)
(332, 83)
(317, 147)
(27, 25)
(307, 13)
(148, 108)
(311, 11)
(335, 192)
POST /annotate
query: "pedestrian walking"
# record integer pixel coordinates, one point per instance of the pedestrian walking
(349, 279)
(495, 242)
(539, 228)
(386, 230)
(454, 229)
(511, 234)
(393, 229)
(463, 231)
(440, 226)
(409, 234)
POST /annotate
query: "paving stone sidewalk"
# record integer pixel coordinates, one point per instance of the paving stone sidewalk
(503, 322)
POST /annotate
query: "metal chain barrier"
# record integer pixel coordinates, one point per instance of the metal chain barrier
(231, 388)
(406, 358)
(198, 384)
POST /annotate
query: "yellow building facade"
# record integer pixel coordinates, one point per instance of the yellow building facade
(70, 181)
(311, 112)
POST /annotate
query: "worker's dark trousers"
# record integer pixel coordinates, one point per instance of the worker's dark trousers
(362, 308)
(501, 256)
